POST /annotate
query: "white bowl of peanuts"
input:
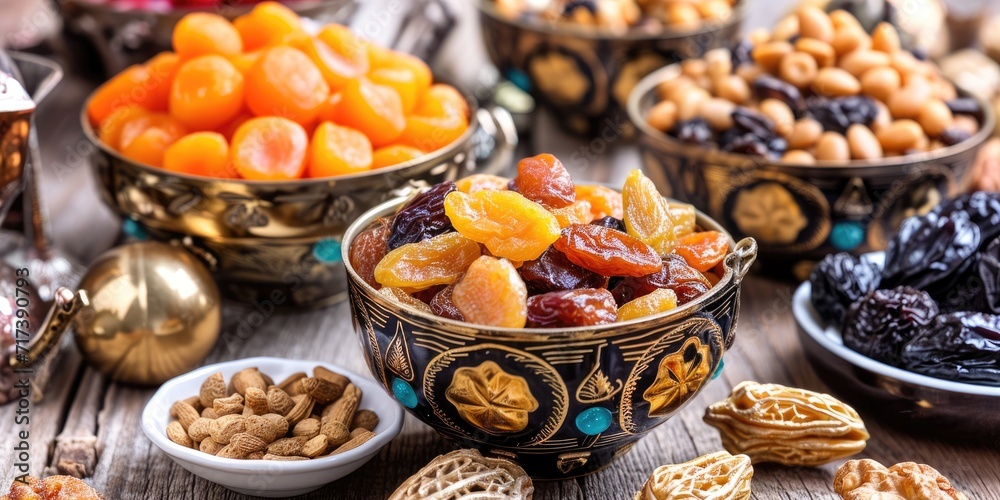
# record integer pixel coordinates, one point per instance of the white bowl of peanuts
(276, 427)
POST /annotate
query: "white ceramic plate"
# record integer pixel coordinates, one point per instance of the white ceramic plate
(269, 478)
(900, 394)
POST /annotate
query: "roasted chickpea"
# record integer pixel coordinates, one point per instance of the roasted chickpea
(832, 147)
(863, 143)
(805, 134)
(798, 69)
(662, 116)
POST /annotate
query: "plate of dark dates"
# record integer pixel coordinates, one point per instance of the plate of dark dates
(915, 330)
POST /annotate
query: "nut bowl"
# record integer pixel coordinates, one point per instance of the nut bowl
(279, 241)
(800, 213)
(573, 399)
(584, 76)
(268, 478)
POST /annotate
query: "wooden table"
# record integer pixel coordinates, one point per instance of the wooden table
(85, 412)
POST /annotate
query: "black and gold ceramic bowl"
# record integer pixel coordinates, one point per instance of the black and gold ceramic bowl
(585, 75)
(562, 402)
(279, 241)
(800, 213)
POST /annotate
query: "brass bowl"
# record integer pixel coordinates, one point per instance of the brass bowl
(584, 76)
(574, 399)
(800, 213)
(279, 241)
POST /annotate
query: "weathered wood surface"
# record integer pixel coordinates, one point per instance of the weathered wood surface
(80, 404)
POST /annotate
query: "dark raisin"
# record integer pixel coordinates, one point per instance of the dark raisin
(572, 5)
(962, 346)
(777, 146)
(838, 281)
(882, 322)
(753, 122)
(442, 304)
(931, 252)
(695, 131)
(553, 271)
(988, 271)
(769, 87)
(422, 217)
(838, 114)
(686, 282)
(610, 223)
(953, 135)
(740, 53)
(966, 106)
(569, 308)
(983, 209)
(747, 144)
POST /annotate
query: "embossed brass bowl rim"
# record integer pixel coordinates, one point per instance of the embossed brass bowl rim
(431, 157)
(641, 99)
(736, 15)
(737, 263)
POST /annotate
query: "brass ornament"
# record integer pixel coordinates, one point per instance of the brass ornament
(466, 474)
(145, 312)
(716, 476)
(769, 213)
(678, 377)
(491, 399)
(794, 427)
(866, 479)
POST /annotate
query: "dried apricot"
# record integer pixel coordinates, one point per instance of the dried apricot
(230, 127)
(127, 88)
(339, 54)
(268, 24)
(329, 111)
(604, 201)
(201, 153)
(394, 154)
(422, 217)
(686, 282)
(401, 296)
(382, 58)
(510, 225)
(269, 148)
(402, 81)
(442, 304)
(202, 33)
(110, 130)
(703, 250)
(570, 308)
(162, 69)
(244, 61)
(553, 271)
(543, 179)
(481, 182)
(373, 109)
(607, 251)
(647, 215)
(337, 150)
(491, 293)
(207, 93)
(442, 100)
(437, 261)
(441, 117)
(684, 217)
(285, 82)
(577, 213)
(661, 300)
(368, 249)
(145, 139)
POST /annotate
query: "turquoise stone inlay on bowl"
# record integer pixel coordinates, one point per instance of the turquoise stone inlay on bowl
(404, 393)
(327, 250)
(718, 369)
(847, 235)
(135, 230)
(593, 421)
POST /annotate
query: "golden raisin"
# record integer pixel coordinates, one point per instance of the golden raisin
(510, 225)
(400, 295)
(491, 293)
(703, 250)
(647, 215)
(436, 261)
(576, 213)
(604, 201)
(481, 182)
(662, 299)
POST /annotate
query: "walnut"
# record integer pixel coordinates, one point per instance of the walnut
(865, 479)
(466, 474)
(718, 475)
(785, 425)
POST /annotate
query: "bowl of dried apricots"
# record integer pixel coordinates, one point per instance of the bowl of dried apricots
(257, 148)
(814, 137)
(543, 321)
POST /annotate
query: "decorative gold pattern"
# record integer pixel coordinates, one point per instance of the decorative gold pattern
(854, 201)
(491, 399)
(569, 461)
(596, 386)
(558, 77)
(786, 425)
(397, 355)
(769, 213)
(679, 376)
(718, 476)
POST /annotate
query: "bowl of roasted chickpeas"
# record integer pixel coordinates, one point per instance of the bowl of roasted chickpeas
(813, 140)
(543, 320)
(256, 143)
(580, 59)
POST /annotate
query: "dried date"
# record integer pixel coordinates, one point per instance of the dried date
(553, 271)
(423, 217)
(686, 282)
(838, 281)
(931, 252)
(880, 324)
(569, 308)
(962, 346)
